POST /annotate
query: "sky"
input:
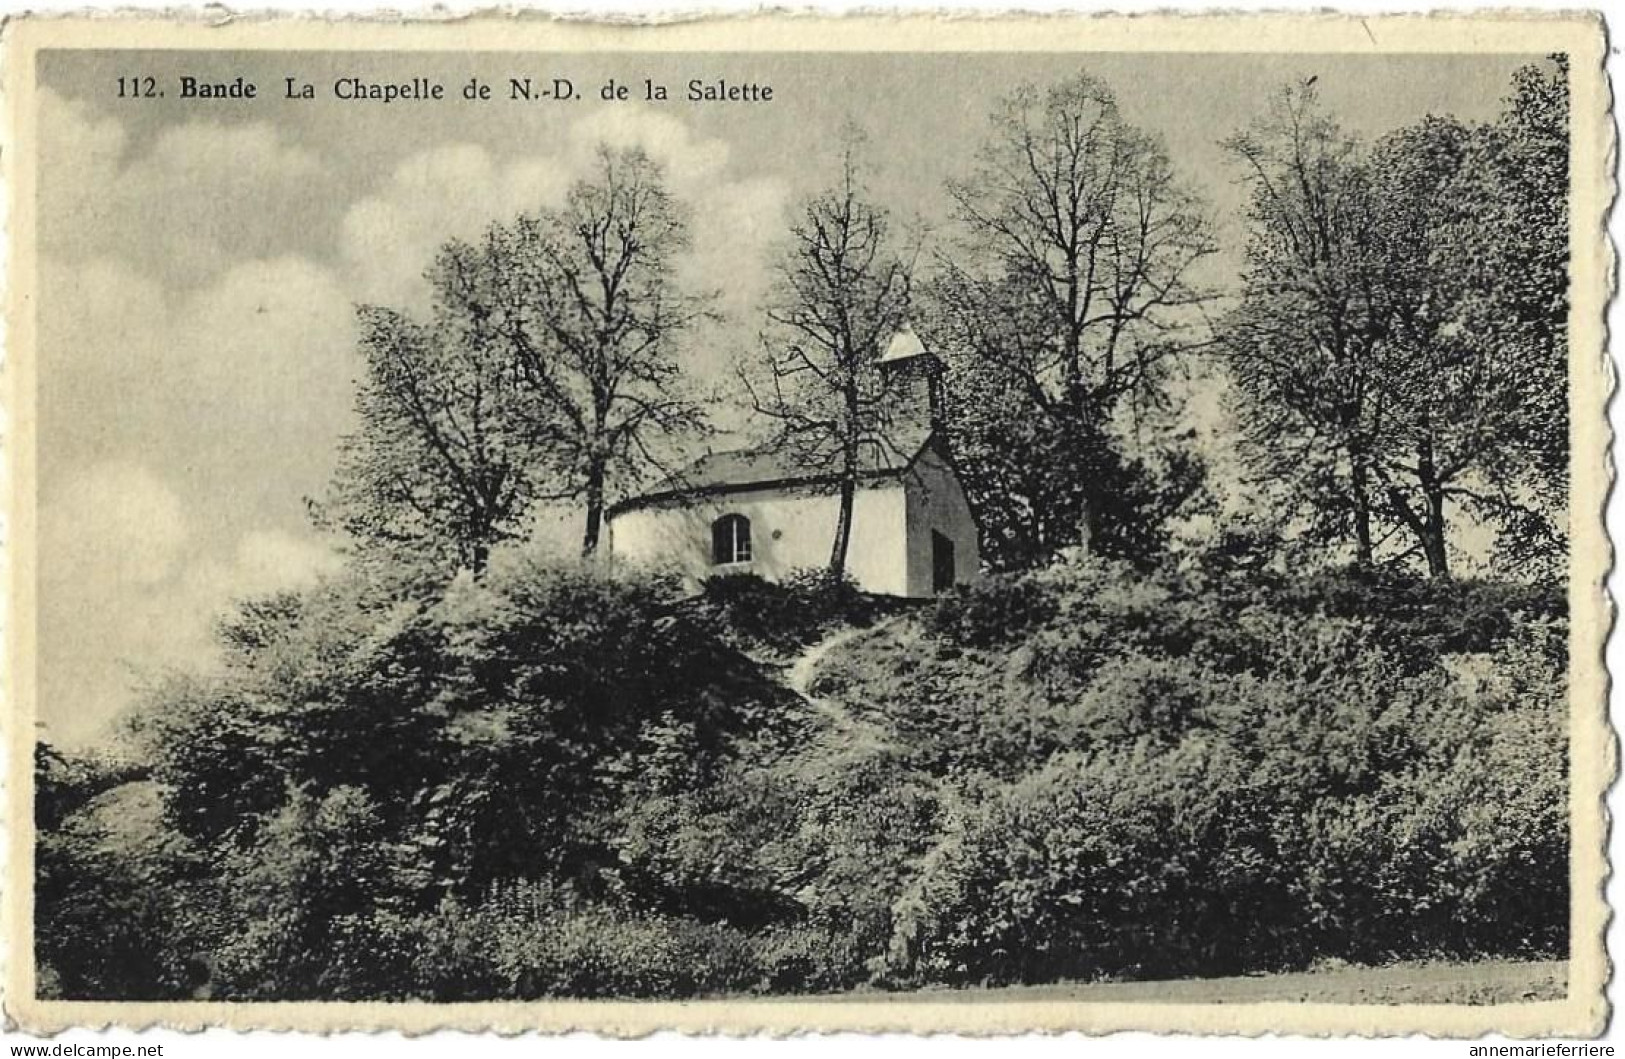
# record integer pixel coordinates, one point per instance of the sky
(200, 262)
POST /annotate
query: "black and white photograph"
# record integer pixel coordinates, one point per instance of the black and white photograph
(867, 527)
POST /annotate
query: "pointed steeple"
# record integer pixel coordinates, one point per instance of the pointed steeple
(904, 345)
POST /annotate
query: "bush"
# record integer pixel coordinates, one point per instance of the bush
(1130, 863)
(122, 908)
(998, 609)
(526, 941)
(444, 738)
(760, 612)
(551, 783)
(1421, 619)
(810, 959)
(1199, 778)
(790, 614)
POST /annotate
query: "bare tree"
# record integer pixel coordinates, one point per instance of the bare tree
(549, 372)
(841, 292)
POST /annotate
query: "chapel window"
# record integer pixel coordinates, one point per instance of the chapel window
(730, 540)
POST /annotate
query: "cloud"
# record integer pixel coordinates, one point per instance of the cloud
(129, 587)
(457, 191)
(79, 155)
(689, 162)
(179, 432)
(196, 372)
(449, 192)
(240, 388)
(735, 223)
(126, 496)
(184, 205)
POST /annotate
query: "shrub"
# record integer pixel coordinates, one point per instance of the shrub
(698, 852)
(1421, 619)
(804, 958)
(787, 615)
(756, 612)
(998, 609)
(1199, 778)
(527, 940)
(550, 783)
(1121, 863)
(122, 907)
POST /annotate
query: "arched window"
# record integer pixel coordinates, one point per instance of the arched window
(730, 540)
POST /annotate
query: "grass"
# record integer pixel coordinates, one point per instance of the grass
(1411, 982)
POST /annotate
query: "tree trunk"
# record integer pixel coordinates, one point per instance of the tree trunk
(1433, 546)
(843, 531)
(1427, 524)
(849, 477)
(1091, 528)
(1433, 536)
(1362, 515)
(595, 510)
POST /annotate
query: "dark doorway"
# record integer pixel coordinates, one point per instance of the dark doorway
(942, 562)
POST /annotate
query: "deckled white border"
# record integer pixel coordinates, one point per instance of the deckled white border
(1593, 759)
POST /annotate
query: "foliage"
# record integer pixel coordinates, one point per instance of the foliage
(466, 772)
(1390, 379)
(446, 463)
(65, 782)
(526, 941)
(841, 292)
(996, 610)
(548, 368)
(1213, 777)
(122, 906)
(548, 783)
(788, 614)
(1067, 298)
(376, 746)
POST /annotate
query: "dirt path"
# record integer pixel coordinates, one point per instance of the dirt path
(1416, 982)
(800, 674)
(853, 731)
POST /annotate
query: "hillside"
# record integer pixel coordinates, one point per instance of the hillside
(1179, 774)
(546, 783)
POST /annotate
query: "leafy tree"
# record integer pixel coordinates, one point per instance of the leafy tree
(547, 373)
(1450, 399)
(1065, 300)
(1383, 379)
(1507, 227)
(586, 302)
(118, 902)
(1304, 343)
(842, 292)
(447, 459)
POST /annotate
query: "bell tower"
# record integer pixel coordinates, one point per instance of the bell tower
(913, 379)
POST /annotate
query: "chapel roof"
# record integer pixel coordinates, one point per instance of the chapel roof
(768, 467)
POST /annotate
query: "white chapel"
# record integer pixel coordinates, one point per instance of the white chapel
(758, 511)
